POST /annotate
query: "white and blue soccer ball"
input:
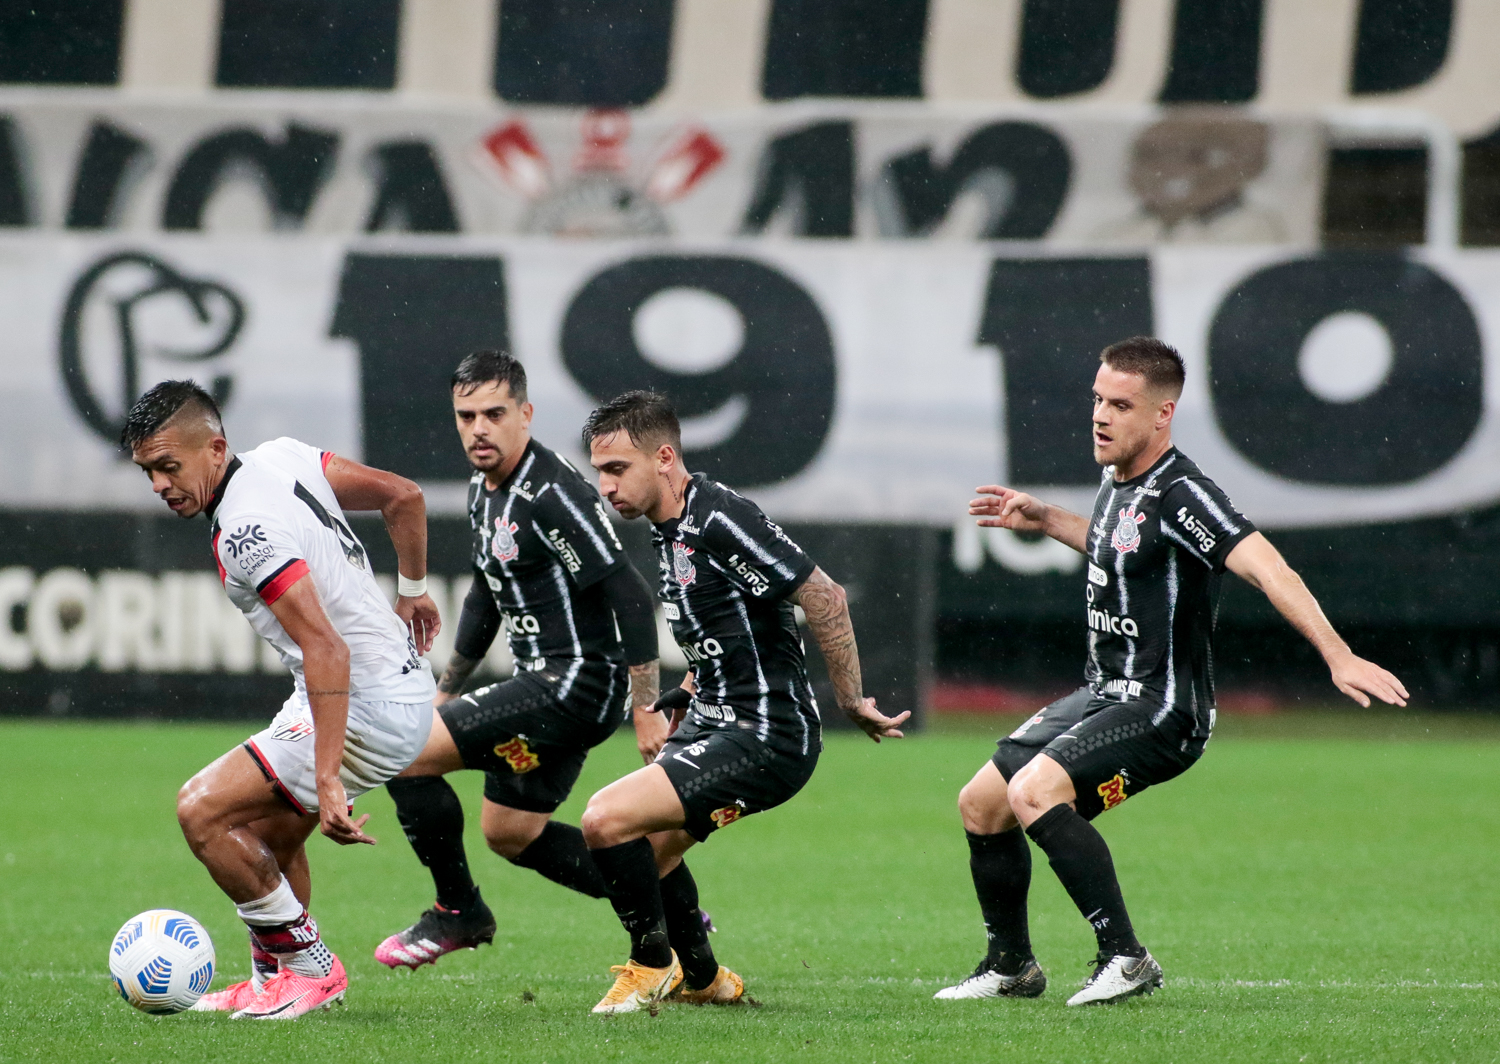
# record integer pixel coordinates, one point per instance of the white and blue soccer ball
(162, 961)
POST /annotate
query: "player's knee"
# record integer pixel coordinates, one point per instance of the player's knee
(1029, 796)
(984, 810)
(601, 825)
(509, 842)
(193, 815)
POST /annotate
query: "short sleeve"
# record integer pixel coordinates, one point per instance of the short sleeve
(752, 551)
(572, 523)
(1198, 516)
(255, 552)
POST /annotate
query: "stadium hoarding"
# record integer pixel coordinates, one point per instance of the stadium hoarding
(346, 164)
(838, 383)
(858, 392)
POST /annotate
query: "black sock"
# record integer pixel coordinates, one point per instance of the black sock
(630, 881)
(559, 853)
(433, 819)
(1080, 857)
(685, 928)
(1001, 867)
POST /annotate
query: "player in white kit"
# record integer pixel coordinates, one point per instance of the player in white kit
(362, 705)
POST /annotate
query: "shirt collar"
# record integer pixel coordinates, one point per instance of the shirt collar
(218, 495)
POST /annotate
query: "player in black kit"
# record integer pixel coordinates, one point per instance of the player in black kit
(1160, 537)
(550, 573)
(748, 738)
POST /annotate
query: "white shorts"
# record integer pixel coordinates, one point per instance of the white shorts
(380, 740)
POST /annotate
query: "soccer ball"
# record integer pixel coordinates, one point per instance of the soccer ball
(162, 961)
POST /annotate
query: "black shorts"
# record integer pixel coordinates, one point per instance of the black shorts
(721, 775)
(1111, 750)
(530, 747)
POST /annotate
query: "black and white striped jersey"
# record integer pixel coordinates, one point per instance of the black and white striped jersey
(543, 542)
(1156, 550)
(726, 572)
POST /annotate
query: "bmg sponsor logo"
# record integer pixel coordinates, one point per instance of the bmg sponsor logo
(1197, 529)
(565, 550)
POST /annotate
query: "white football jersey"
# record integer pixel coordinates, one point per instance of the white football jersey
(275, 520)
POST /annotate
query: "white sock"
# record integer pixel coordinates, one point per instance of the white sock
(278, 907)
(276, 913)
(315, 961)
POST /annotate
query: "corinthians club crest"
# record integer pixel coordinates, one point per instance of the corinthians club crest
(1127, 535)
(503, 543)
(604, 195)
(683, 570)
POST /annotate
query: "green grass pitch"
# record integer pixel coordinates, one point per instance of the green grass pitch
(1313, 894)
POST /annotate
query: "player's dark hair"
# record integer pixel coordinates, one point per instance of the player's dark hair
(1146, 356)
(161, 404)
(484, 367)
(646, 417)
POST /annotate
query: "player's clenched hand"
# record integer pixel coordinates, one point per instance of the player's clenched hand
(420, 616)
(333, 818)
(1359, 679)
(651, 729)
(875, 724)
(998, 507)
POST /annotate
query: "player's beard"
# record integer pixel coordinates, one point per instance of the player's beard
(488, 464)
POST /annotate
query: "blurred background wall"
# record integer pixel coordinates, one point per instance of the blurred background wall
(869, 247)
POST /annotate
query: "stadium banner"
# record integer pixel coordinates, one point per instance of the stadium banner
(343, 165)
(834, 382)
(115, 614)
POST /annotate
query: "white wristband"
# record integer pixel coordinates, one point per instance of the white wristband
(406, 588)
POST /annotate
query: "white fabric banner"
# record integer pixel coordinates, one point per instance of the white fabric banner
(832, 381)
(347, 164)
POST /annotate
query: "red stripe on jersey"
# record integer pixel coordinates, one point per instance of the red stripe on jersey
(275, 585)
(263, 763)
(327, 457)
(222, 574)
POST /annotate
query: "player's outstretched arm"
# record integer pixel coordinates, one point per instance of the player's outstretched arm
(1261, 565)
(998, 507)
(400, 502)
(325, 666)
(827, 610)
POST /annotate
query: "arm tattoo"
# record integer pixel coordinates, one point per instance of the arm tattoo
(827, 610)
(458, 670)
(645, 684)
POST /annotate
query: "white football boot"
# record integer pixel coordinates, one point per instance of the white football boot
(1117, 978)
(1029, 982)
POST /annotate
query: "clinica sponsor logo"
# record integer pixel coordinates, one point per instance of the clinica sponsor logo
(519, 624)
(1197, 529)
(704, 650)
(1104, 621)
